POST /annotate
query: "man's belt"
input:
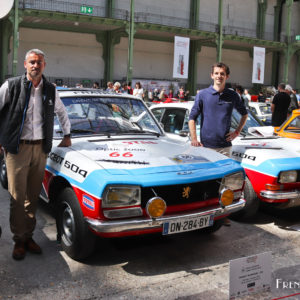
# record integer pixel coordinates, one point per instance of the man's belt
(31, 142)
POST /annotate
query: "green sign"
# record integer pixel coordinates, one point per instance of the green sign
(297, 37)
(86, 9)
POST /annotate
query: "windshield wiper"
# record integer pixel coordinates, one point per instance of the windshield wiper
(82, 131)
(131, 131)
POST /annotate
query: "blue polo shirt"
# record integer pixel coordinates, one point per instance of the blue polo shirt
(215, 110)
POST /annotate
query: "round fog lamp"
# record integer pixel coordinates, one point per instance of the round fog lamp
(156, 207)
(226, 197)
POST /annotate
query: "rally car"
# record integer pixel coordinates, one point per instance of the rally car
(291, 127)
(271, 163)
(124, 176)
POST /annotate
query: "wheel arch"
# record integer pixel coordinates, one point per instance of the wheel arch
(58, 183)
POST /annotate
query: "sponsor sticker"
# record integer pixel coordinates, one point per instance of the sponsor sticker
(187, 158)
(88, 202)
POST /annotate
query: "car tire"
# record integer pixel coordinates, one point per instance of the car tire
(76, 238)
(252, 203)
(211, 229)
(3, 173)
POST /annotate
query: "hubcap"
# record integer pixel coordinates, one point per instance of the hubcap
(68, 224)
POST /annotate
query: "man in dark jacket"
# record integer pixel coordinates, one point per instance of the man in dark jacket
(294, 102)
(27, 107)
(280, 105)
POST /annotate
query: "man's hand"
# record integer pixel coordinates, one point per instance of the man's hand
(196, 143)
(66, 142)
(232, 135)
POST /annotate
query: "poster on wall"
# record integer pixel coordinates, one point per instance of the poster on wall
(181, 57)
(258, 71)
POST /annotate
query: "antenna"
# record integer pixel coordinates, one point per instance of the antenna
(5, 7)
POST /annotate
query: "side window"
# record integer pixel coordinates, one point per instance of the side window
(252, 109)
(186, 121)
(158, 112)
(173, 120)
(294, 126)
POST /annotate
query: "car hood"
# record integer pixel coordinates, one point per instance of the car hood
(150, 155)
(268, 155)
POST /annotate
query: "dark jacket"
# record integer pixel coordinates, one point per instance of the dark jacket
(293, 104)
(13, 114)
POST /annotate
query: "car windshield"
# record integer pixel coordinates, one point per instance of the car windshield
(265, 109)
(294, 126)
(107, 116)
(252, 121)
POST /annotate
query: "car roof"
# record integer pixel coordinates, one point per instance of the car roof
(186, 105)
(83, 92)
(257, 103)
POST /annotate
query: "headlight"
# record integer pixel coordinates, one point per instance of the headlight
(121, 195)
(156, 207)
(233, 181)
(226, 197)
(288, 176)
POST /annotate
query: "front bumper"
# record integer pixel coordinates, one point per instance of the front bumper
(292, 198)
(147, 223)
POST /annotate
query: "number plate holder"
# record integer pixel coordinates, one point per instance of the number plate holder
(187, 224)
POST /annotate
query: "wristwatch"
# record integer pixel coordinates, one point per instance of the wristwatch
(67, 135)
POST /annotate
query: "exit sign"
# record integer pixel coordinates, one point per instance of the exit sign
(86, 9)
(297, 37)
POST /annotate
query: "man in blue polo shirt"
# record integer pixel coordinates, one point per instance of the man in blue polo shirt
(215, 105)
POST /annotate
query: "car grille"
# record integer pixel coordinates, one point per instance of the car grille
(183, 193)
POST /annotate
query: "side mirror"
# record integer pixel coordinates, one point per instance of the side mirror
(183, 133)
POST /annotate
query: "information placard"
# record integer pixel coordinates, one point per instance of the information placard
(250, 275)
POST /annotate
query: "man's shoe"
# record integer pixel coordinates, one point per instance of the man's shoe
(33, 247)
(19, 251)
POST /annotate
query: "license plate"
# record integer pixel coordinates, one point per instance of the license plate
(187, 224)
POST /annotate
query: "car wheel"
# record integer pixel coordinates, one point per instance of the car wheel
(3, 174)
(252, 203)
(211, 229)
(76, 238)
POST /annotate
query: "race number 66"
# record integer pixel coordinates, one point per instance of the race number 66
(117, 154)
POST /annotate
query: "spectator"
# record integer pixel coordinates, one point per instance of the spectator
(110, 86)
(240, 91)
(150, 96)
(130, 89)
(124, 88)
(295, 92)
(186, 95)
(34, 100)
(181, 94)
(261, 97)
(155, 95)
(294, 102)
(215, 105)
(96, 85)
(280, 106)
(138, 90)
(170, 95)
(162, 96)
(117, 87)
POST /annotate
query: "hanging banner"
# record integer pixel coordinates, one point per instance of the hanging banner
(258, 71)
(181, 57)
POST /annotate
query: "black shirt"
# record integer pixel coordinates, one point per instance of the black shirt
(281, 102)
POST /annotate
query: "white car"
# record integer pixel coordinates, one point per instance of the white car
(262, 111)
(271, 163)
(124, 176)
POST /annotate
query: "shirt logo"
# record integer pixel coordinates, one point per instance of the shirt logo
(186, 192)
(50, 102)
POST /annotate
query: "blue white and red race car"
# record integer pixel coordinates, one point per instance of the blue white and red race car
(123, 176)
(271, 163)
